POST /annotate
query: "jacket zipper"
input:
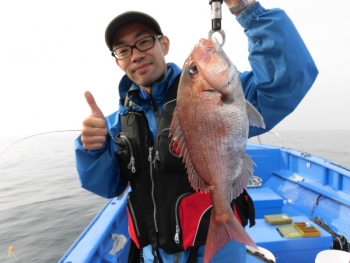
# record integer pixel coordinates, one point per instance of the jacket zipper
(131, 164)
(150, 150)
(156, 157)
(156, 112)
(133, 216)
(177, 227)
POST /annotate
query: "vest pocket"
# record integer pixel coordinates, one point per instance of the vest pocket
(126, 158)
(191, 218)
(133, 144)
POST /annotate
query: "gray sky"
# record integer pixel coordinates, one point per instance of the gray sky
(52, 51)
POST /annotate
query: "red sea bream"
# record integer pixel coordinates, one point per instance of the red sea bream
(210, 126)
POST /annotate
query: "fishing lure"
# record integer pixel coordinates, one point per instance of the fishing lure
(10, 252)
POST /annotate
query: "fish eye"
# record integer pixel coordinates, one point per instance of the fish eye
(193, 68)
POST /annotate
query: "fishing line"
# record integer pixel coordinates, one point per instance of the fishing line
(37, 134)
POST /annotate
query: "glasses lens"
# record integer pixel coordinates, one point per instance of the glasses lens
(141, 45)
(145, 43)
(122, 52)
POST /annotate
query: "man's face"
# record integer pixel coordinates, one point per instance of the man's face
(146, 67)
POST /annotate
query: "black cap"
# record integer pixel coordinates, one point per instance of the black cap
(126, 18)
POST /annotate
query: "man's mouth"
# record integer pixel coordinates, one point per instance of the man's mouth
(142, 68)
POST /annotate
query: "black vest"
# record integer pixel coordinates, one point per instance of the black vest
(158, 181)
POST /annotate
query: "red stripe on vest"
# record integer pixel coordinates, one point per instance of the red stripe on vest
(131, 229)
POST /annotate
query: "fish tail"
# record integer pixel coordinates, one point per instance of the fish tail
(218, 235)
(216, 239)
(237, 232)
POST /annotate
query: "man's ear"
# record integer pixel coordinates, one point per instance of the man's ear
(165, 44)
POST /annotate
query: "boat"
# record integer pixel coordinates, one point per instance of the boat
(302, 208)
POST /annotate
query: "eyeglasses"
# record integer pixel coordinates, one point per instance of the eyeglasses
(142, 44)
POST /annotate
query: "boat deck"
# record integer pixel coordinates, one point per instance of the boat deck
(293, 183)
(267, 202)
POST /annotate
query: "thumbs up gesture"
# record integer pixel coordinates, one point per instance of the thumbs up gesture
(94, 131)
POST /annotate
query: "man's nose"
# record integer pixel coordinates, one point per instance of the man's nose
(136, 54)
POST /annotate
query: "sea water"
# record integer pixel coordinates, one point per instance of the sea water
(43, 209)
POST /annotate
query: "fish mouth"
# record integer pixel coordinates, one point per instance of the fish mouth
(207, 43)
(214, 66)
(210, 45)
(203, 50)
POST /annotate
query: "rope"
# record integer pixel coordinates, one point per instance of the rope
(254, 181)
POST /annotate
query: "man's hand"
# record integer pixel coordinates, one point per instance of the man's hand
(94, 131)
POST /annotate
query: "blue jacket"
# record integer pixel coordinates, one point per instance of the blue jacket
(282, 73)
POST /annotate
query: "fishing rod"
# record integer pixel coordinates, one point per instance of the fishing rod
(38, 134)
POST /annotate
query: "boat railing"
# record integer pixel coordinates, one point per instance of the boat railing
(259, 138)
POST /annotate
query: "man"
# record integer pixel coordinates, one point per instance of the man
(130, 145)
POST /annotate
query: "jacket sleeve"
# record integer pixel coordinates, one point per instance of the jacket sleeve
(283, 70)
(98, 170)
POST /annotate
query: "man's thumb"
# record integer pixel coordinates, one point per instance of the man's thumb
(95, 110)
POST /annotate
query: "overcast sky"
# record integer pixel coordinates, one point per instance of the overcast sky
(52, 51)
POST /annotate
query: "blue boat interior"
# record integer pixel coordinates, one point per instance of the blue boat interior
(295, 183)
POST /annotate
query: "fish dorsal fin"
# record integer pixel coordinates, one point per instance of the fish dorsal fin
(178, 147)
(254, 117)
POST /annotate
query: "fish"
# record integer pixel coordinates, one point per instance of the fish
(209, 128)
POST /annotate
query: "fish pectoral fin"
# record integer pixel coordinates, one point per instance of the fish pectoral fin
(254, 117)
